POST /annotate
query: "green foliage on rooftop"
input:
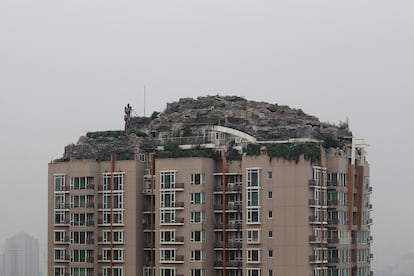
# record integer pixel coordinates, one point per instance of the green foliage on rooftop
(114, 133)
(173, 150)
(290, 152)
(105, 134)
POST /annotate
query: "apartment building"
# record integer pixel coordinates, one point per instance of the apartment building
(21, 256)
(205, 216)
(216, 201)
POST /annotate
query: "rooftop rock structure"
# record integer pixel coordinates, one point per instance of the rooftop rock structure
(195, 121)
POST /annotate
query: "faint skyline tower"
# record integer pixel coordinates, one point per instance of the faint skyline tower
(21, 256)
(1, 264)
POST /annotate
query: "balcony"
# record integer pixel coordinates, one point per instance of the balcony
(90, 223)
(229, 263)
(232, 224)
(90, 187)
(90, 205)
(179, 186)
(231, 187)
(334, 240)
(313, 219)
(90, 259)
(177, 259)
(179, 239)
(313, 183)
(236, 206)
(90, 241)
(313, 202)
(333, 202)
(333, 221)
(179, 204)
(334, 260)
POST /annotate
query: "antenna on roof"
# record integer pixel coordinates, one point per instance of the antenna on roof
(144, 101)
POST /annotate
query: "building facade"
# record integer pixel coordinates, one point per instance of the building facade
(21, 256)
(256, 215)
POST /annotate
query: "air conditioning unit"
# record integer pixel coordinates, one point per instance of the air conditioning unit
(238, 140)
(231, 204)
(147, 171)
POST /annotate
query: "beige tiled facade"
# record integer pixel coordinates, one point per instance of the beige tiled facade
(279, 217)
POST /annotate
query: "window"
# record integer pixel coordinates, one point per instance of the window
(269, 175)
(167, 199)
(148, 271)
(60, 201)
(270, 272)
(167, 180)
(80, 271)
(197, 236)
(196, 217)
(78, 237)
(253, 255)
(253, 272)
(167, 271)
(270, 253)
(197, 198)
(59, 271)
(60, 183)
(80, 183)
(270, 234)
(167, 236)
(197, 272)
(116, 271)
(60, 217)
(118, 217)
(78, 256)
(118, 181)
(253, 236)
(141, 157)
(270, 214)
(167, 255)
(78, 201)
(167, 216)
(269, 194)
(118, 236)
(197, 179)
(77, 219)
(253, 197)
(117, 202)
(59, 254)
(253, 177)
(118, 254)
(196, 255)
(253, 215)
(59, 236)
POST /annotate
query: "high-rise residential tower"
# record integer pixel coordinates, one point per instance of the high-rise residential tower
(21, 256)
(213, 186)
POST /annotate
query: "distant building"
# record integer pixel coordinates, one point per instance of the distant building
(211, 201)
(1, 265)
(21, 256)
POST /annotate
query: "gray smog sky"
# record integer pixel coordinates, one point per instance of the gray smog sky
(68, 67)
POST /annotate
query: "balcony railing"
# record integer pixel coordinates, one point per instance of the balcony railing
(90, 259)
(90, 187)
(333, 202)
(333, 240)
(334, 260)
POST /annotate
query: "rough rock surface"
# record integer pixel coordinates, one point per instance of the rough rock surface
(265, 121)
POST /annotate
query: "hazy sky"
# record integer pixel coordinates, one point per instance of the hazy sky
(68, 67)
